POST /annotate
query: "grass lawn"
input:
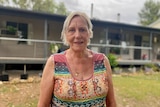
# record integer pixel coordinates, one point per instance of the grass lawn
(137, 90)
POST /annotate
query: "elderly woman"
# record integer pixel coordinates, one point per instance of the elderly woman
(77, 77)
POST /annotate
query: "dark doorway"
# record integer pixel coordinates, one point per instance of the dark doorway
(138, 42)
(23, 28)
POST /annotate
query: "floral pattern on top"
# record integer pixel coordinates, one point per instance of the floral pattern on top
(69, 92)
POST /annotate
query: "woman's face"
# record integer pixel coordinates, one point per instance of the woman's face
(77, 34)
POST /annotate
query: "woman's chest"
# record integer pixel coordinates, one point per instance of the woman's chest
(67, 88)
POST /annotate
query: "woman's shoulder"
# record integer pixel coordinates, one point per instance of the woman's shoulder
(58, 56)
(98, 55)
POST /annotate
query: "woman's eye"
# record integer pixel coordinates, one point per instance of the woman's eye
(71, 30)
(82, 30)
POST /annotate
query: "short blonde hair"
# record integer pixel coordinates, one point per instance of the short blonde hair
(67, 22)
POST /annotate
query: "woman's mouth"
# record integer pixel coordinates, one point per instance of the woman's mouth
(78, 43)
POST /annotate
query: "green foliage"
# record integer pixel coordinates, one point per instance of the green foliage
(21, 3)
(149, 65)
(12, 29)
(139, 87)
(54, 47)
(3, 2)
(113, 60)
(61, 9)
(150, 12)
(44, 6)
(153, 66)
(48, 6)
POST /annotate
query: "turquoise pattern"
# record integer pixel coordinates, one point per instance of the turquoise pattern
(96, 102)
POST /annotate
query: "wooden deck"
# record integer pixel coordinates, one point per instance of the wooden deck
(22, 60)
(133, 62)
(25, 61)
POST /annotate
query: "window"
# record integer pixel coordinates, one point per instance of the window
(18, 29)
(145, 41)
(114, 39)
(11, 28)
(125, 51)
(13, 24)
(114, 50)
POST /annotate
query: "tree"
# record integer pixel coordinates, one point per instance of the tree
(2, 2)
(150, 12)
(45, 6)
(61, 9)
(48, 6)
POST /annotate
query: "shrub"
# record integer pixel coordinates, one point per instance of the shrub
(54, 47)
(155, 67)
(11, 29)
(149, 65)
(113, 60)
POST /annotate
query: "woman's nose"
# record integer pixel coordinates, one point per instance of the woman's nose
(77, 33)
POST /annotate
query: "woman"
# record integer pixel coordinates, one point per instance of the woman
(77, 77)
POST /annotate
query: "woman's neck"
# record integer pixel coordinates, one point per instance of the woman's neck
(78, 54)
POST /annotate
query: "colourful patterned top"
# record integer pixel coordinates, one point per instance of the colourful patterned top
(69, 92)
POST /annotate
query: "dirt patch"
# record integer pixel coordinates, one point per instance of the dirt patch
(25, 93)
(20, 92)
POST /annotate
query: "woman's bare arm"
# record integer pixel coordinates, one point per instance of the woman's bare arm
(110, 99)
(47, 84)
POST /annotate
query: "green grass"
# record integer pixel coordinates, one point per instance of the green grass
(139, 87)
(137, 90)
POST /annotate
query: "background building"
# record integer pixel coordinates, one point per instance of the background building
(26, 37)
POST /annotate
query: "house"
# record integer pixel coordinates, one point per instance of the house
(26, 36)
(155, 24)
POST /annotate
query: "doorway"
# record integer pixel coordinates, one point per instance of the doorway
(138, 42)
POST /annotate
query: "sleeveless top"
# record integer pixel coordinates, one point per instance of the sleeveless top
(70, 92)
